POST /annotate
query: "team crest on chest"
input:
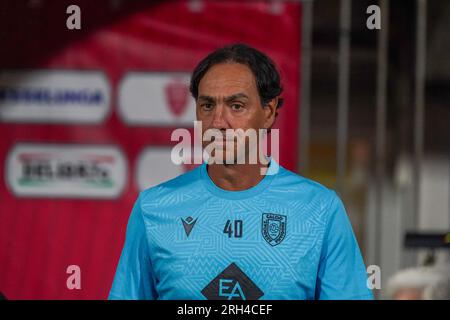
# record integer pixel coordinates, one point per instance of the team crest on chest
(273, 228)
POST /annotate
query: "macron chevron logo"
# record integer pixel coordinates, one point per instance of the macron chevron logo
(188, 224)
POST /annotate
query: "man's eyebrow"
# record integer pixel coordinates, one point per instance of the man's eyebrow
(226, 99)
(207, 98)
(236, 96)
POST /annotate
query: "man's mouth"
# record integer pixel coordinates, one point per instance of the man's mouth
(223, 142)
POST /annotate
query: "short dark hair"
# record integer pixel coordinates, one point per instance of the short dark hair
(263, 68)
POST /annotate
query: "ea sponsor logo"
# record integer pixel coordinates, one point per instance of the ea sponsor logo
(232, 284)
(156, 99)
(54, 96)
(70, 171)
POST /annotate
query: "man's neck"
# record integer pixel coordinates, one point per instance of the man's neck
(236, 177)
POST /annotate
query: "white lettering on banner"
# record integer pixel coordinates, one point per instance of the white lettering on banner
(54, 96)
(374, 277)
(154, 167)
(374, 20)
(147, 98)
(74, 20)
(236, 146)
(69, 171)
(74, 280)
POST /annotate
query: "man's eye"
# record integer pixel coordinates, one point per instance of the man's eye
(206, 106)
(236, 106)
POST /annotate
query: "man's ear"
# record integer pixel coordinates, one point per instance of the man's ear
(270, 113)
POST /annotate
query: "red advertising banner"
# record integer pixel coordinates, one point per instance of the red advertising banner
(86, 118)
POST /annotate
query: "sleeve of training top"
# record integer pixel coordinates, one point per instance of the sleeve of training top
(342, 273)
(133, 279)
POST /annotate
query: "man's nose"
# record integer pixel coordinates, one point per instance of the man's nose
(219, 118)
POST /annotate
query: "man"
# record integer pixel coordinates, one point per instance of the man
(239, 231)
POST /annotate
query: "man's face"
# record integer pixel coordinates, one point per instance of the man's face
(228, 99)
